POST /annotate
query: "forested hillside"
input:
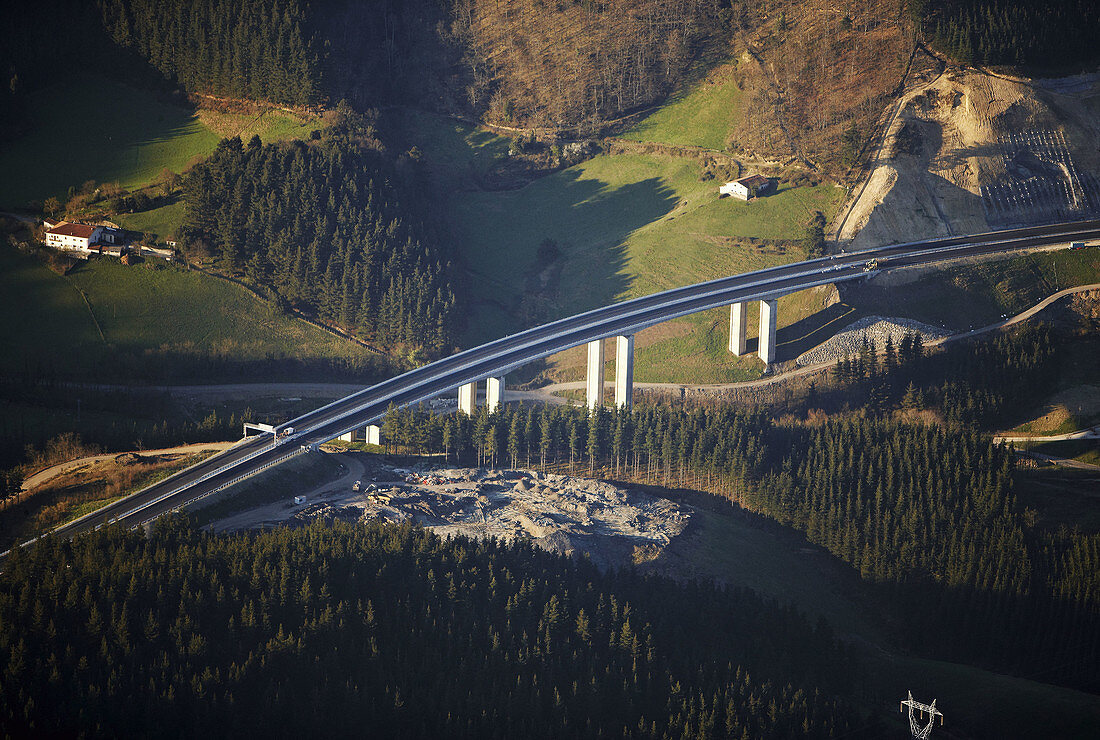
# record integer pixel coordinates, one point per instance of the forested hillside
(328, 631)
(568, 63)
(926, 516)
(1050, 34)
(325, 227)
(258, 49)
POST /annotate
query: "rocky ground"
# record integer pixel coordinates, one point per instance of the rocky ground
(611, 525)
(873, 329)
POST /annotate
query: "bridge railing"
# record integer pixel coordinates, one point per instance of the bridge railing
(238, 479)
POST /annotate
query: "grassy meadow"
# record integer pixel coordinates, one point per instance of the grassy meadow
(626, 225)
(90, 128)
(164, 221)
(103, 306)
(703, 114)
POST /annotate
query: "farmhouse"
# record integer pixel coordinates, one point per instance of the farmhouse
(85, 239)
(73, 236)
(748, 187)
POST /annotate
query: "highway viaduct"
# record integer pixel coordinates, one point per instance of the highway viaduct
(492, 361)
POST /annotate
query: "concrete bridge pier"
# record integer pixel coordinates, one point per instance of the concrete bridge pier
(594, 380)
(467, 398)
(738, 325)
(494, 393)
(768, 314)
(624, 372)
(371, 434)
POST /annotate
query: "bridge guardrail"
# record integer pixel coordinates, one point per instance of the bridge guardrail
(206, 477)
(212, 491)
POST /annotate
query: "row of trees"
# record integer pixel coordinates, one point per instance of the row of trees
(335, 629)
(325, 227)
(976, 384)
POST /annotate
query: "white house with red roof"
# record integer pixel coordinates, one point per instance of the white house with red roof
(67, 235)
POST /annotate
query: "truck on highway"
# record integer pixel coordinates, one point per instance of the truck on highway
(287, 432)
(1077, 245)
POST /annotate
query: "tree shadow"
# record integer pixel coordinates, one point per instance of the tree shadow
(587, 219)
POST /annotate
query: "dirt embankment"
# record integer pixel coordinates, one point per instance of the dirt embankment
(970, 151)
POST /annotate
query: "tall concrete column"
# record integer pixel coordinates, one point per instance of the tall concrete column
(624, 372)
(467, 398)
(594, 381)
(768, 313)
(373, 434)
(494, 393)
(738, 324)
(347, 436)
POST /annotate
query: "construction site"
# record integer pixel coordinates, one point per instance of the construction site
(1041, 183)
(609, 524)
(970, 151)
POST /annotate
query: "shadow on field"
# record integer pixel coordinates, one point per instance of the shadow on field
(804, 335)
(586, 222)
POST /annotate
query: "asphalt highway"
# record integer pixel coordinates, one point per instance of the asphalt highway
(498, 357)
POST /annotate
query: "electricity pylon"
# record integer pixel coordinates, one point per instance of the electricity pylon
(920, 733)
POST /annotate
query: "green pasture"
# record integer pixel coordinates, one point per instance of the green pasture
(703, 114)
(625, 225)
(451, 149)
(164, 221)
(90, 128)
(103, 306)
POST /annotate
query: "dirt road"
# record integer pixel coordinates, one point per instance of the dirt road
(55, 470)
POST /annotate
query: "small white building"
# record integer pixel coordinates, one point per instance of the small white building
(748, 187)
(73, 236)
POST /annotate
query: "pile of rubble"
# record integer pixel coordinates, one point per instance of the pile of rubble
(869, 329)
(561, 514)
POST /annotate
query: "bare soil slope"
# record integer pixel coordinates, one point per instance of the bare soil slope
(971, 151)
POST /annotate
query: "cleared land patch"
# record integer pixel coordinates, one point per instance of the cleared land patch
(1067, 411)
(83, 490)
(981, 292)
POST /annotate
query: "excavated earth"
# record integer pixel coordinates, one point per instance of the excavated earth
(971, 151)
(609, 524)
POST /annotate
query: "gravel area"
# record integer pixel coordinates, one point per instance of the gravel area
(609, 524)
(872, 329)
